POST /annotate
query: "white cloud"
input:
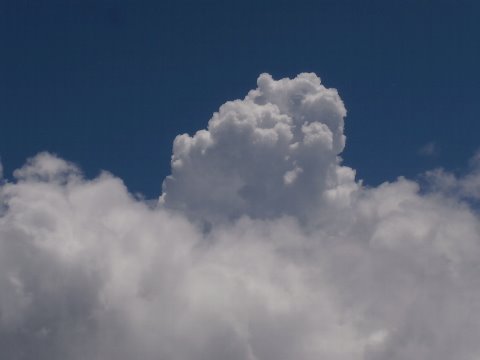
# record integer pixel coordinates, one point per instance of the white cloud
(300, 261)
(273, 153)
(466, 187)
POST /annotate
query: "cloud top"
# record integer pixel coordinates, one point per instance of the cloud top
(273, 153)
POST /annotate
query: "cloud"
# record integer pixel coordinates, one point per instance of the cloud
(466, 187)
(273, 153)
(429, 149)
(298, 260)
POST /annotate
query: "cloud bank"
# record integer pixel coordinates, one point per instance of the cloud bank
(262, 247)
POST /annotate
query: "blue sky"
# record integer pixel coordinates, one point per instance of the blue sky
(109, 84)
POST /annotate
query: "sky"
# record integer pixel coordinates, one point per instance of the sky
(239, 181)
(109, 84)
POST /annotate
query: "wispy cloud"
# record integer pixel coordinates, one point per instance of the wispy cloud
(429, 149)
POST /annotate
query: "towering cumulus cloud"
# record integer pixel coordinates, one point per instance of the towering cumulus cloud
(273, 153)
(262, 247)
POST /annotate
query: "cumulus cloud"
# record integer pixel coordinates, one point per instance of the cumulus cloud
(298, 261)
(273, 153)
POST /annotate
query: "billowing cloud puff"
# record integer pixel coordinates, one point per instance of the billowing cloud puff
(273, 153)
(299, 261)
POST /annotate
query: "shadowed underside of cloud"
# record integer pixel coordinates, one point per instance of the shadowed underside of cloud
(298, 261)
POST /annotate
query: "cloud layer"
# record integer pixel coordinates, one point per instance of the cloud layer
(263, 247)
